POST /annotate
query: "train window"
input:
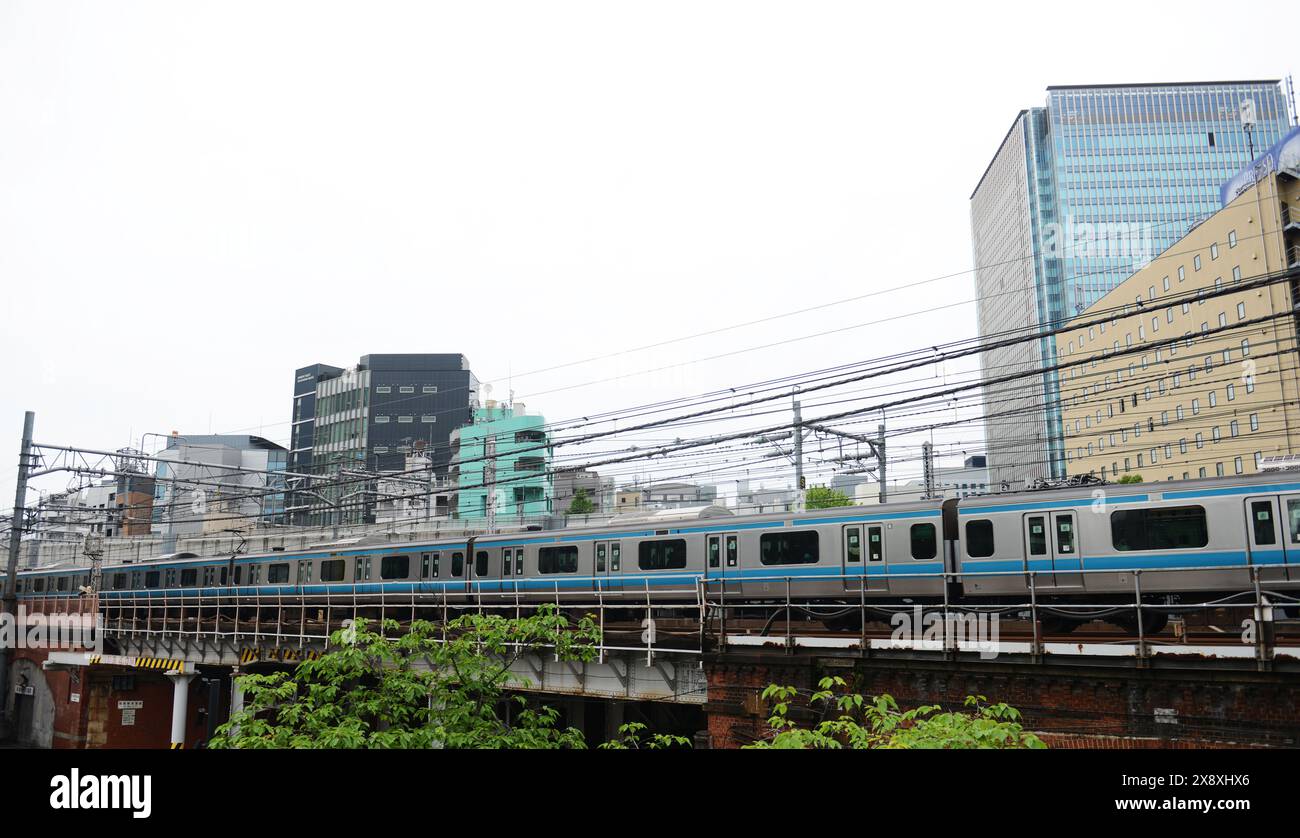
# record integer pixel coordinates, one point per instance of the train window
(875, 545)
(1065, 533)
(481, 563)
(979, 539)
(189, 577)
(239, 575)
(395, 567)
(60, 583)
(1261, 516)
(788, 548)
(925, 545)
(557, 559)
(1037, 535)
(519, 561)
(1293, 516)
(662, 555)
(615, 551)
(715, 551)
(853, 544)
(434, 564)
(361, 571)
(424, 565)
(331, 570)
(457, 564)
(118, 582)
(506, 561)
(169, 578)
(600, 558)
(304, 571)
(1158, 529)
(733, 550)
(151, 578)
(38, 584)
(277, 573)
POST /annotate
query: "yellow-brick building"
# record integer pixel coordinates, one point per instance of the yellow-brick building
(1213, 402)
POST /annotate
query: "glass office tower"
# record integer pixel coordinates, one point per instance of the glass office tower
(1081, 194)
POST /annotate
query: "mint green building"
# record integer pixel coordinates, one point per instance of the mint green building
(502, 446)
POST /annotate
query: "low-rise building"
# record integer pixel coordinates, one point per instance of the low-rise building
(501, 464)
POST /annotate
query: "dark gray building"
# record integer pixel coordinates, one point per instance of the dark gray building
(367, 419)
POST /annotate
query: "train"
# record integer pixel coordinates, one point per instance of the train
(1190, 540)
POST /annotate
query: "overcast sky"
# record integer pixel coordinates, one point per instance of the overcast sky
(197, 198)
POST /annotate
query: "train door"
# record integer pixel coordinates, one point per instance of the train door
(1266, 535)
(1290, 521)
(722, 562)
(1052, 544)
(607, 567)
(863, 562)
(512, 567)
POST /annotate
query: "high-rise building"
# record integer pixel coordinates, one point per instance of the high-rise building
(366, 420)
(1082, 193)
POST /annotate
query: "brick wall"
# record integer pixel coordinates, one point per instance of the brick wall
(1075, 707)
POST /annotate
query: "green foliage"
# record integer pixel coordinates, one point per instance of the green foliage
(630, 739)
(377, 690)
(581, 504)
(820, 497)
(843, 719)
(1130, 478)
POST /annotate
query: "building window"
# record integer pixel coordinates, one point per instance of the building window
(1234, 429)
(1254, 421)
(381, 420)
(1237, 465)
(1245, 347)
(1241, 311)
(405, 420)
(1232, 238)
(1214, 250)
(428, 419)
(384, 389)
(1182, 273)
(1232, 392)
(406, 388)
(1236, 273)
(1196, 262)
(429, 388)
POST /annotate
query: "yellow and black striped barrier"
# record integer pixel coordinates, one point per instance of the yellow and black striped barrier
(160, 664)
(277, 655)
(176, 746)
(250, 655)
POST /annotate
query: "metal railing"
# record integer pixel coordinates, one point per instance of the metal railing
(708, 613)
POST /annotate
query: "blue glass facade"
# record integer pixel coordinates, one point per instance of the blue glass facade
(1147, 161)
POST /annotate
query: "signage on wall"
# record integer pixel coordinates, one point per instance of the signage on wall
(1283, 156)
(75, 698)
(130, 705)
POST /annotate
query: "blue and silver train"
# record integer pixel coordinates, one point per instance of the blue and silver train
(1188, 538)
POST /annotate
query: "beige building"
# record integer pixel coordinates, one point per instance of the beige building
(1209, 403)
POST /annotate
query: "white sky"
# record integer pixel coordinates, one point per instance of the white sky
(197, 198)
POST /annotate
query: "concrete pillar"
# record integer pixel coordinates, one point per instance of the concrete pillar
(613, 719)
(236, 698)
(180, 705)
(576, 711)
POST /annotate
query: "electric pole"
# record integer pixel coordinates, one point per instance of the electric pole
(10, 595)
(798, 456)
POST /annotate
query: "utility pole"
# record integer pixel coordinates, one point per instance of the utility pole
(927, 467)
(880, 461)
(10, 595)
(798, 456)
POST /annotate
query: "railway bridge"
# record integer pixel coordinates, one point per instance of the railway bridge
(1224, 672)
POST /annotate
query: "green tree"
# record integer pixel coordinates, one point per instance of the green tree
(1130, 478)
(820, 497)
(847, 720)
(630, 738)
(581, 504)
(377, 689)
